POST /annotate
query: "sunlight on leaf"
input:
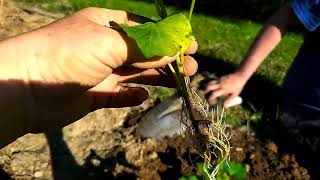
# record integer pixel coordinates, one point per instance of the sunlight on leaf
(163, 38)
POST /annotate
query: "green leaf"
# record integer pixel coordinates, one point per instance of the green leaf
(224, 176)
(233, 170)
(238, 171)
(193, 178)
(189, 178)
(164, 38)
(200, 168)
(183, 178)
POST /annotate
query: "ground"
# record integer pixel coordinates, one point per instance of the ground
(104, 145)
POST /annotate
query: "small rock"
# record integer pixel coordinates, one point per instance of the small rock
(251, 148)
(295, 165)
(239, 149)
(247, 168)
(285, 158)
(153, 155)
(44, 165)
(272, 147)
(95, 162)
(252, 156)
(38, 174)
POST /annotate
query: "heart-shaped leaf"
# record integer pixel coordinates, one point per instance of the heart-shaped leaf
(163, 38)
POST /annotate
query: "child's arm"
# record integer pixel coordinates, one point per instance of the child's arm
(271, 34)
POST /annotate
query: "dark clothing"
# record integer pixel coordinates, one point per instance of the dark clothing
(301, 90)
(301, 87)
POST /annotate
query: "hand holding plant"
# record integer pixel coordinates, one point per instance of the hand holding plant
(74, 66)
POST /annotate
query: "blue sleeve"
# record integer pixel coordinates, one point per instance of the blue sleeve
(308, 12)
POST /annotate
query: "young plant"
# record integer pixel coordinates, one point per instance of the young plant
(232, 170)
(168, 36)
(228, 170)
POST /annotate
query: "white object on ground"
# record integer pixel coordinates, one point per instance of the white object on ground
(235, 101)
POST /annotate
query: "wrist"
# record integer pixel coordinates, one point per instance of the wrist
(16, 101)
(19, 54)
(243, 74)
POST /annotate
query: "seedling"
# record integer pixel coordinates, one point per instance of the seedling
(169, 36)
(227, 171)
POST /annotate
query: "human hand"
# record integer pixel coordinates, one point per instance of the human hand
(77, 65)
(228, 87)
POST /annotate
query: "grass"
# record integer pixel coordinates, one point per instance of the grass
(222, 38)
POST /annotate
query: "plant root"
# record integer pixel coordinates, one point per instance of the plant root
(206, 130)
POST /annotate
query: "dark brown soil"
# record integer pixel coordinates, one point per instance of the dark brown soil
(175, 158)
(264, 160)
(172, 158)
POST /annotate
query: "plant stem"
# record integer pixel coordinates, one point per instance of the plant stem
(175, 75)
(184, 91)
(191, 9)
(161, 9)
(182, 58)
(180, 79)
(180, 63)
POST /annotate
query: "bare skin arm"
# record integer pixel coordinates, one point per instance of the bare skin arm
(269, 37)
(57, 74)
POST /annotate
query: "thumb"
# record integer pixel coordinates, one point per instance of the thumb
(122, 96)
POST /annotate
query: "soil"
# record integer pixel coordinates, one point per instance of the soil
(264, 160)
(103, 145)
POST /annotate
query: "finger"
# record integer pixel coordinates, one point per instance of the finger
(190, 66)
(212, 101)
(103, 16)
(121, 96)
(192, 48)
(212, 87)
(157, 77)
(153, 62)
(154, 77)
(213, 82)
(217, 93)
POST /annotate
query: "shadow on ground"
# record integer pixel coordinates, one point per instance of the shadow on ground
(4, 175)
(64, 166)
